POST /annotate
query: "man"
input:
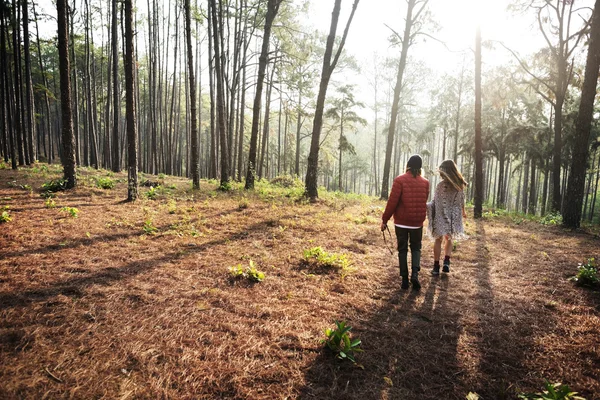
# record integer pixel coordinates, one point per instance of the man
(408, 204)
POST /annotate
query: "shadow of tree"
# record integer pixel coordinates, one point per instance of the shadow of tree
(76, 286)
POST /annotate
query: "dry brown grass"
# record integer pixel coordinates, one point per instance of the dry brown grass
(94, 307)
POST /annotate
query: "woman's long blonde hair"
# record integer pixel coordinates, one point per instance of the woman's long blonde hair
(450, 174)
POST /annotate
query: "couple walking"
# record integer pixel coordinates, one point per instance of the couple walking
(408, 205)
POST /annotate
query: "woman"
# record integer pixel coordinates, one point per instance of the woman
(446, 213)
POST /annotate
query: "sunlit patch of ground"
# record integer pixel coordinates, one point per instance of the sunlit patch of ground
(135, 300)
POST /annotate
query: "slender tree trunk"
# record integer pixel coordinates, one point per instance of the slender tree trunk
(220, 98)
(266, 126)
(406, 42)
(272, 9)
(311, 183)
(132, 166)
(478, 210)
(116, 159)
(68, 139)
(457, 120)
(531, 209)
(4, 92)
(194, 131)
(298, 127)
(574, 198)
(29, 86)
(17, 120)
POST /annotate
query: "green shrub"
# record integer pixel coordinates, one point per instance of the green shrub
(225, 186)
(105, 183)
(587, 274)
(339, 341)
(149, 227)
(55, 185)
(5, 216)
(317, 257)
(250, 273)
(287, 181)
(72, 211)
(50, 203)
(556, 391)
(551, 219)
(152, 193)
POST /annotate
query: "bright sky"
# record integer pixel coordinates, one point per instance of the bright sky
(457, 20)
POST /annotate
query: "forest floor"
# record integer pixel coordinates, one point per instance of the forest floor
(135, 300)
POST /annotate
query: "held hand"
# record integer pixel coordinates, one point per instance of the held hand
(383, 226)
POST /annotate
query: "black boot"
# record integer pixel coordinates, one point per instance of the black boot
(436, 268)
(414, 279)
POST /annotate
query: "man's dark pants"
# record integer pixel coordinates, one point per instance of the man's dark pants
(406, 237)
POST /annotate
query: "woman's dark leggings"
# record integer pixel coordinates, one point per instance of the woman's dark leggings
(404, 237)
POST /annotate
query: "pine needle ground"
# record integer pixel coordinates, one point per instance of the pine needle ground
(134, 300)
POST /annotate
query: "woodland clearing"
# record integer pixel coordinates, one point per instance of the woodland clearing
(135, 300)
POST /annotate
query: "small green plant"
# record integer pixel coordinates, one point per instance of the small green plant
(5, 216)
(556, 391)
(152, 193)
(172, 206)
(243, 203)
(47, 194)
(339, 341)
(317, 257)
(250, 273)
(50, 203)
(551, 219)
(286, 181)
(105, 183)
(161, 176)
(587, 274)
(225, 186)
(72, 211)
(149, 227)
(55, 185)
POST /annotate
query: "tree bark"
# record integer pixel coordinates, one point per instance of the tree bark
(311, 184)
(194, 131)
(68, 139)
(574, 199)
(478, 210)
(29, 87)
(220, 97)
(132, 166)
(272, 9)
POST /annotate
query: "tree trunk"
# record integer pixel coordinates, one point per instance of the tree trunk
(194, 131)
(266, 127)
(129, 66)
(212, 171)
(116, 159)
(272, 9)
(574, 198)
(396, 100)
(30, 104)
(68, 139)
(220, 97)
(311, 184)
(478, 210)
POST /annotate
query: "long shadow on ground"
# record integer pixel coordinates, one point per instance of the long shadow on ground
(409, 350)
(76, 287)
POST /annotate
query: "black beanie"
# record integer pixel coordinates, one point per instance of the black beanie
(415, 162)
